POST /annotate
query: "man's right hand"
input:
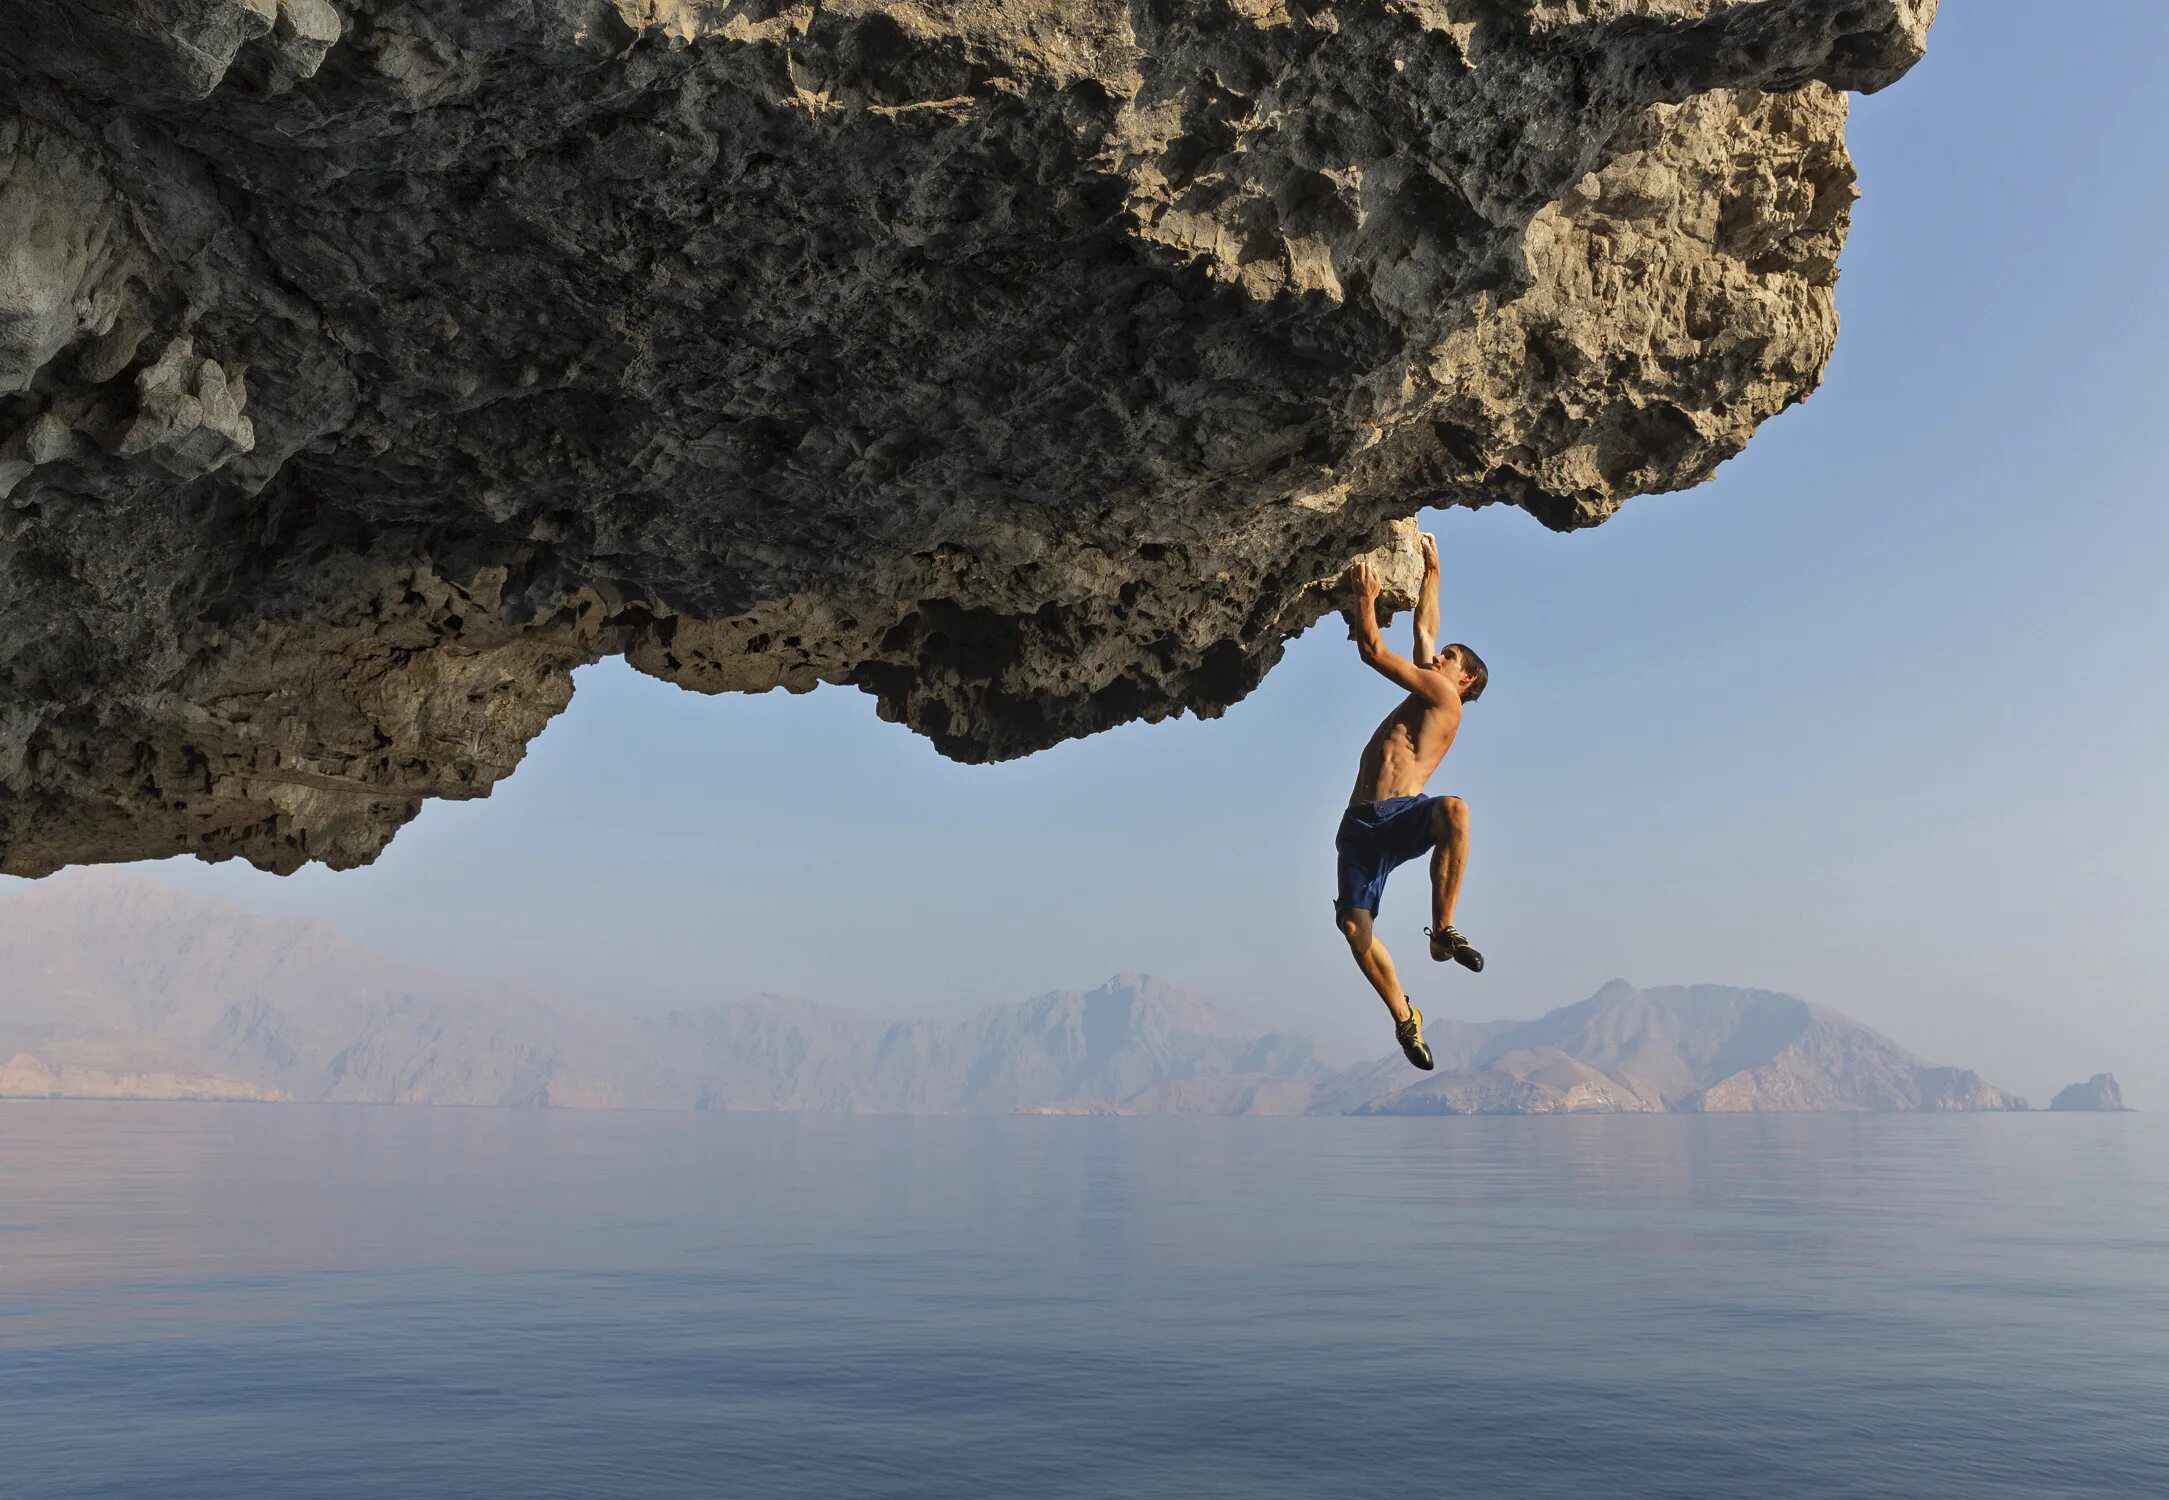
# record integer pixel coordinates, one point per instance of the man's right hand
(1365, 578)
(1427, 544)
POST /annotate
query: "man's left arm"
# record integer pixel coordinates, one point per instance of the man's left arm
(1427, 602)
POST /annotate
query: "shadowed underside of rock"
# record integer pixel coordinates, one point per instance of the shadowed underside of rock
(366, 368)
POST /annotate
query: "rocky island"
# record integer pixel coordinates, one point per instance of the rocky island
(368, 365)
(2097, 1094)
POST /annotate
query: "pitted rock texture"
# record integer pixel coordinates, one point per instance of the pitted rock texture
(366, 368)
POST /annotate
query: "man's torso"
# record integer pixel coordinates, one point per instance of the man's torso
(1405, 749)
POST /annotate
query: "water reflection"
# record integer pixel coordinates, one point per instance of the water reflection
(1080, 1306)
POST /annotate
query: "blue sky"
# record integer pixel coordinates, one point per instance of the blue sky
(1876, 717)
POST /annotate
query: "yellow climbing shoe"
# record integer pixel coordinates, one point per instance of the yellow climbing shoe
(1409, 1034)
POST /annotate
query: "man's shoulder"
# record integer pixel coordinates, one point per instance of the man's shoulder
(1446, 706)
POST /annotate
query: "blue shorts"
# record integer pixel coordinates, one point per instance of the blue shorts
(1374, 838)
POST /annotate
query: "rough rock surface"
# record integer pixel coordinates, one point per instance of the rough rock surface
(366, 367)
(2097, 1094)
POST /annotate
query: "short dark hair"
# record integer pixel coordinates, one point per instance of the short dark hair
(1474, 666)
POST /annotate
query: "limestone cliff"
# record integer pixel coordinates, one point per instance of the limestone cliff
(368, 365)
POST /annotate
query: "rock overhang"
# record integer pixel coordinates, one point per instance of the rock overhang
(1035, 367)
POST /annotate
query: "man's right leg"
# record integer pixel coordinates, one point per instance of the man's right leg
(1449, 860)
(1449, 857)
(1373, 959)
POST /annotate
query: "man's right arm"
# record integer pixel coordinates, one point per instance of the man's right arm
(1371, 644)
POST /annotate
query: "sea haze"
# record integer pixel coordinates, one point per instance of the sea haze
(209, 1300)
(122, 988)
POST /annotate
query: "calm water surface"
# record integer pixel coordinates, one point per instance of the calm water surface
(209, 1300)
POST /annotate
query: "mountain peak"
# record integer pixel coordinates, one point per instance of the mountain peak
(175, 987)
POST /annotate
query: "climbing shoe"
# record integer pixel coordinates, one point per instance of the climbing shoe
(1409, 1034)
(1447, 943)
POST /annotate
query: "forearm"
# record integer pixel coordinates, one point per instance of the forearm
(1427, 616)
(1370, 643)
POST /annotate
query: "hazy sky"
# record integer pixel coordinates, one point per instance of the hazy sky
(1876, 717)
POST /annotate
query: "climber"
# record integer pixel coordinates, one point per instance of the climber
(1389, 820)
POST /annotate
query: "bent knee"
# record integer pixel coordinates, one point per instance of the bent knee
(1354, 925)
(1453, 812)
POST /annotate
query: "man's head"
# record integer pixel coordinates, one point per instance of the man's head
(1460, 662)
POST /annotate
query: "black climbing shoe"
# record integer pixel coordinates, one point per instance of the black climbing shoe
(1447, 943)
(1409, 1034)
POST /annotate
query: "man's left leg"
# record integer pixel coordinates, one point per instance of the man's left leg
(1373, 959)
(1449, 859)
(1377, 966)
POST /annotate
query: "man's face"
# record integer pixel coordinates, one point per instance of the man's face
(1449, 662)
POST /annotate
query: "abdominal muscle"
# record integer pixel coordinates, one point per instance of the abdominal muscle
(1404, 750)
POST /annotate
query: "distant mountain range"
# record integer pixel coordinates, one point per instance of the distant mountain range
(112, 986)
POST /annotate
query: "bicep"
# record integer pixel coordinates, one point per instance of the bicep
(1402, 672)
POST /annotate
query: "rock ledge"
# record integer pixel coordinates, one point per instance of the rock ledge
(367, 367)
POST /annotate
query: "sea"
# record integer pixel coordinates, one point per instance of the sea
(296, 1301)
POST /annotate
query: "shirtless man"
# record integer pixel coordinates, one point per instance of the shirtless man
(1389, 820)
